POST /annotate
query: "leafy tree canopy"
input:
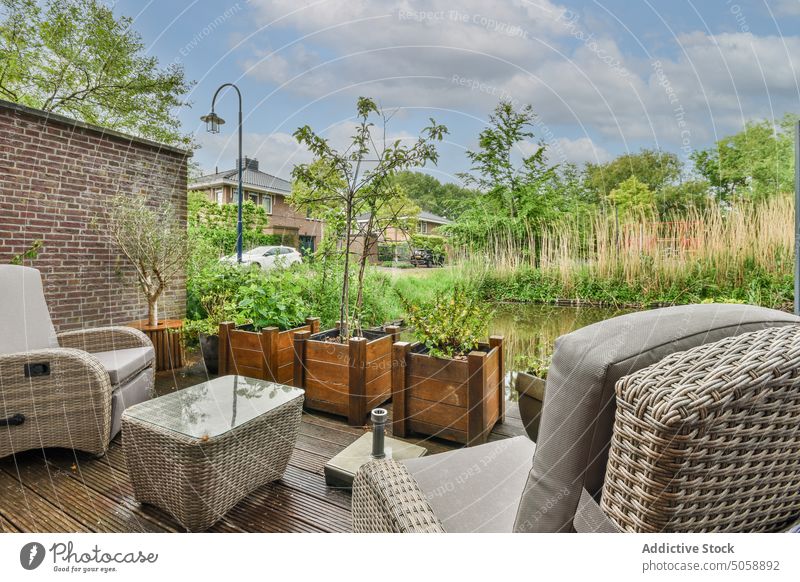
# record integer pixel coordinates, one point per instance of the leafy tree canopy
(75, 57)
(755, 163)
(445, 199)
(633, 197)
(507, 184)
(654, 168)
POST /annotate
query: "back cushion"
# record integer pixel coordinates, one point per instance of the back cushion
(24, 317)
(579, 406)
(716, 439)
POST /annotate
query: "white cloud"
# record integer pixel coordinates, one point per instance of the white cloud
(277, 153)
(463, 57)
(576, 151)
(787, 7)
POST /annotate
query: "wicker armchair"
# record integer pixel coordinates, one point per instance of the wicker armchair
(704, 439)
(66, 390)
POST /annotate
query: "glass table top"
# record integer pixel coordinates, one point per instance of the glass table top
(214, 407)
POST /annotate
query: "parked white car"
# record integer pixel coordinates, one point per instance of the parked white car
(268, 257)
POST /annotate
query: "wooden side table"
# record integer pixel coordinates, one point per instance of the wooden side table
(167, 341)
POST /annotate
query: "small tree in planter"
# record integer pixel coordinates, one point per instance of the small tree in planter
(449, 383)
(343, 374)
(153, 240)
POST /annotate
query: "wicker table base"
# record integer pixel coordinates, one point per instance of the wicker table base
(189, 454)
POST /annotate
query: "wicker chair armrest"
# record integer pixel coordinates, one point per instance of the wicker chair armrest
(101, 339)
(387, 499)
(64, 396)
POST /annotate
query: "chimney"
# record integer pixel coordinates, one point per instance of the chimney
(249, 164)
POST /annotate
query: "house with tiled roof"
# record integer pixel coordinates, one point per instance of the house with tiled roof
(267, 191)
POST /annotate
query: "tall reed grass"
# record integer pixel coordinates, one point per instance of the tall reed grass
(744, 251)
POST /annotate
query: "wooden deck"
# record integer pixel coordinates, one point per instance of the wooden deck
(61, 491)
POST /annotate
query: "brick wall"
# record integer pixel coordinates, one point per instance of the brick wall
(57, 177)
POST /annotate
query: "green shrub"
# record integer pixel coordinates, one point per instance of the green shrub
(272, 299)
(452, 324)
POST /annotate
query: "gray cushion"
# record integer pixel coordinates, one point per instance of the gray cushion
(122, 364)
(579, 405)
(136, 390)
(476, 489)
(23, 311)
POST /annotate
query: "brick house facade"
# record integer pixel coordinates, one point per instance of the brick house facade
(427, 223)
(57, 178)
(268, 191)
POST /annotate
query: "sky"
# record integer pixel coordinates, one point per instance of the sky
(603, 77)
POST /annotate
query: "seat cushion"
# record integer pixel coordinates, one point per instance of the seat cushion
(135, 390)
(476, 489)
(580, 402)
(122, 364)
(26, 323)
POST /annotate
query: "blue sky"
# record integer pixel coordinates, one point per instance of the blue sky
(603, 77)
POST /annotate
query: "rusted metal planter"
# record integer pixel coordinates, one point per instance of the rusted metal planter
(457, 400)
(346, 379)
(267, 354)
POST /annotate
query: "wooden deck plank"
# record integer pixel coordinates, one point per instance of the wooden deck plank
(30, 512)
(7, 526)
(71, 496)
(60, 491)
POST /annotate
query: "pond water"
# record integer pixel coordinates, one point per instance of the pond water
(532, 329)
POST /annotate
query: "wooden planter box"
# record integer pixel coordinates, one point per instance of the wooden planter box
(345, 379)
(457, 400)
(266, 355)
(167, 343)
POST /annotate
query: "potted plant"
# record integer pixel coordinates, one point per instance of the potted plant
(153, 240)
(274, 309)
(530, 385)
(346, 370)
(448, 383)
(218, 309)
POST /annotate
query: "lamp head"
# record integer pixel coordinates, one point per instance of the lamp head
(213, 121)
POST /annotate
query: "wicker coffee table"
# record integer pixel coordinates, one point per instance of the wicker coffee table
(197, 452)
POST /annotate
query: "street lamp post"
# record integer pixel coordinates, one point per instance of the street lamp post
(213, 121)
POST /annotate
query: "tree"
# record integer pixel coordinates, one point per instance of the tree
(654, 168)
(755, 163)
(448, 199)
(216, 223)
(357, 179)
(75, 57)
(676, 199)
(494, 170)
(153, 241)
(632, 197)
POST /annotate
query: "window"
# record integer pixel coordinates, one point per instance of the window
(272, 252)
(219, 195)
(253, 197)
(423, 228)
(266, 202)
(286, 251)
